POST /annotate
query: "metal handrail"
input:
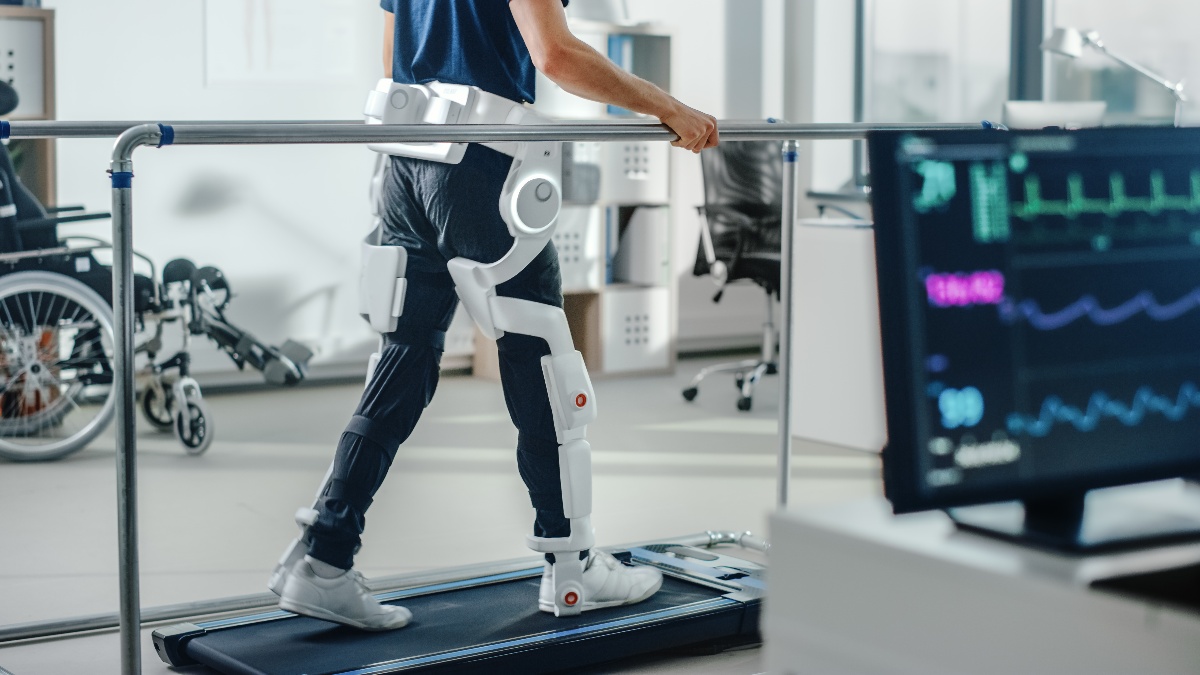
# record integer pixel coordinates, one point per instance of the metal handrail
(354, 131)
(114, 128)
(135, 135)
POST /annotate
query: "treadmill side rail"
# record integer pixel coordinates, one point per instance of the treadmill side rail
(491, 623)
(169, 642)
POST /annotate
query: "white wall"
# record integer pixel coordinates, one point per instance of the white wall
(283, 221)
(823, 30)
(288, 218)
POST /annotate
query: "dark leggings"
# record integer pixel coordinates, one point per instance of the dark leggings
(439, 212)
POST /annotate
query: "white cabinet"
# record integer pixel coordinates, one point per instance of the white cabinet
(579, 240)
(639, 249)
(636, 328)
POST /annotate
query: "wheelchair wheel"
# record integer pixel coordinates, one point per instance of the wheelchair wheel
(156, 408)
(193, 426)
(56, 365)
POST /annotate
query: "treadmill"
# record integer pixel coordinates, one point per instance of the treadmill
(490, 623)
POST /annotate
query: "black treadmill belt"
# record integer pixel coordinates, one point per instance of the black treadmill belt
(471, 623)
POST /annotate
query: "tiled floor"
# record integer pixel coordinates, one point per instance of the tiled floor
(213, 526)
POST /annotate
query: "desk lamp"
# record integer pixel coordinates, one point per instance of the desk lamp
(1070, 42)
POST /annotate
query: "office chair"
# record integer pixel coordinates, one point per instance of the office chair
(741, 240)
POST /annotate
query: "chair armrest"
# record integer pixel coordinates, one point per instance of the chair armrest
(43, 222)
(738, 218)
(706, 241)
(727, 214)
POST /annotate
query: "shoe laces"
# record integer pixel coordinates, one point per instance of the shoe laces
(605, 558)
(357, 578)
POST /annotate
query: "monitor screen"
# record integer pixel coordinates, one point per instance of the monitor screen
(1040, 311)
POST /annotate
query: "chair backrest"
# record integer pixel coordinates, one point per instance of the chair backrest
(17, 203)
(9, 240)
(743, 202)
(746, 176)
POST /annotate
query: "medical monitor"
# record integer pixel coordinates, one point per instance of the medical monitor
(1040, 315)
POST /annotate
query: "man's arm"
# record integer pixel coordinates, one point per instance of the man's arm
(573, 65)
(389, 37)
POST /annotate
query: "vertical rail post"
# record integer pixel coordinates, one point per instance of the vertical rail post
(122, 225)
(791, 156)
(123, 383)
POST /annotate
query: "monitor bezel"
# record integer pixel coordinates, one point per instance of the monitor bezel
(903, 486)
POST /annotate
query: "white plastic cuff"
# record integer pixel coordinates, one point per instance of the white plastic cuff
(382, 287)
(567, 576)
(582, 538)
(476, 291)
(575, 476)
(295, 551)
(572, 399)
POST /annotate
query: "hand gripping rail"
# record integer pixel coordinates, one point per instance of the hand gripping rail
(133, 135)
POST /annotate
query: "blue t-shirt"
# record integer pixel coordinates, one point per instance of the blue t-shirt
(472, 42)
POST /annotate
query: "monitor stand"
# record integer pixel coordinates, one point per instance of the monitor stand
(1113, 519)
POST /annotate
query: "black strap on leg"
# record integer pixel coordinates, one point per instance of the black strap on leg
(417, 336)
(377, 433)
(349, 493)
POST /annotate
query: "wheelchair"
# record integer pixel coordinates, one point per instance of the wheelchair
(56, 335)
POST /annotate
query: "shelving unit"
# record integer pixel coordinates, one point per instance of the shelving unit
(27, 63)
(613, 237)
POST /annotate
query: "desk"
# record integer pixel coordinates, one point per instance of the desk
(837, 366)
(855, 589)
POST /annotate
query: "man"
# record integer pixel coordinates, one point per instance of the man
(439, 212)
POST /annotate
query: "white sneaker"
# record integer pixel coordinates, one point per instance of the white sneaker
(606, 583)
(344, 599)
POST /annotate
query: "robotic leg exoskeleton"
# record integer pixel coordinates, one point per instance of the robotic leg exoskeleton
(529, 204)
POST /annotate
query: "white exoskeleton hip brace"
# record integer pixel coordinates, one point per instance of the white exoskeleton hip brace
(529, 204)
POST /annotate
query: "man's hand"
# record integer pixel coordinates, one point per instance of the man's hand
(581, 70)
(696, 130)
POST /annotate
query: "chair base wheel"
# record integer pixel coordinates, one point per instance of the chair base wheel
(690, 393)
(744, 403)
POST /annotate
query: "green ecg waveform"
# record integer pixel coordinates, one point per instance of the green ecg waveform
(989, 202)
(1118, 202)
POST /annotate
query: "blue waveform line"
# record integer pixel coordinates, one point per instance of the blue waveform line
(1088, 306)
(1101, 406)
